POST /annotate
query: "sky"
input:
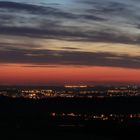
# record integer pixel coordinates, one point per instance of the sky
(57, 42)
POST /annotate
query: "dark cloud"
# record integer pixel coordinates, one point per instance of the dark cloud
(91, 17)
(49, 57)
(71, 33)
(97, 21)
(108, 7)
(120, 12)
(42, 26)
(33, 9)
(42, 10)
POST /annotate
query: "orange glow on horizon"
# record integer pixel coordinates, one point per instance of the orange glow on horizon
(16, 74)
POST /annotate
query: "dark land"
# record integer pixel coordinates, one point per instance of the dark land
(74, 118)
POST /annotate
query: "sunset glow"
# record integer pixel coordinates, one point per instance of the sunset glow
(66, 75)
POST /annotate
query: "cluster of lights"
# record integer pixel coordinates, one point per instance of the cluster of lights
(103, 117)
(74, 91)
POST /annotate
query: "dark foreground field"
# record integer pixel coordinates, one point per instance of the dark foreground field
(23, 117)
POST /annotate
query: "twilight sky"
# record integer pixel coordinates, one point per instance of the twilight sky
(69, 41)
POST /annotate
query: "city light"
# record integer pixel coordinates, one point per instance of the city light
(73, 92)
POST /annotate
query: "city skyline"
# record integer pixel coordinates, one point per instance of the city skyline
(69, 42)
